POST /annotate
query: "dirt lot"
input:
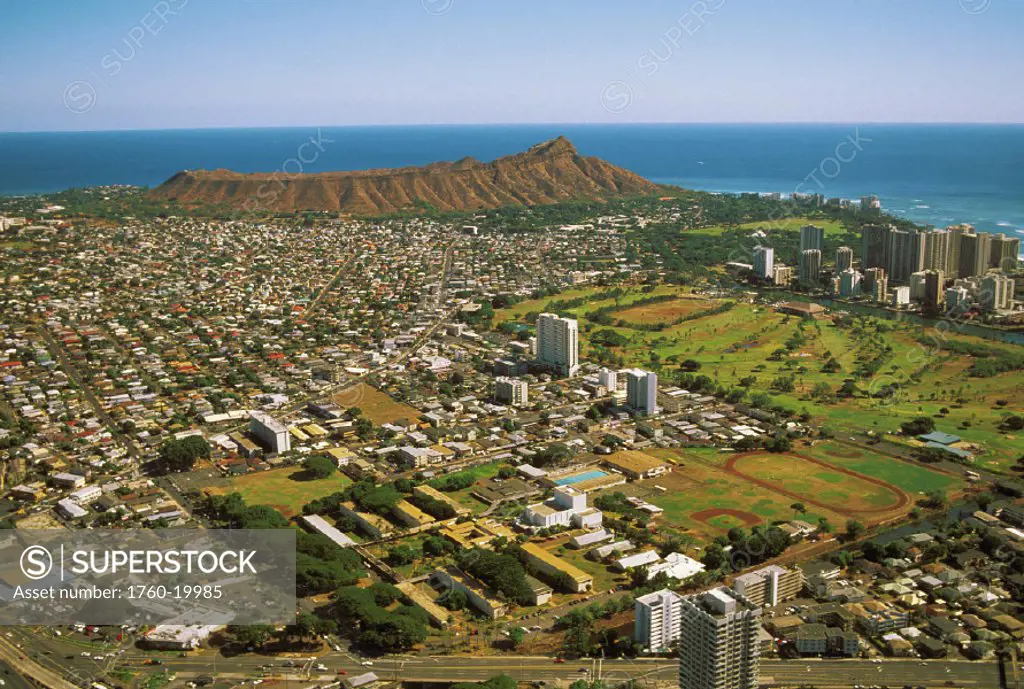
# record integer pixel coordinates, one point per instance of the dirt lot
(377, 406)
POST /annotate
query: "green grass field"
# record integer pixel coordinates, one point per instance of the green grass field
(283, 489)
(702, 485)
(479, 473)
(913, 478)
(758, 345)
(831, 227)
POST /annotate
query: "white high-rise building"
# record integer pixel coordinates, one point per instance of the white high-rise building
(900, 296)
(608, 379)
(764, 262)
(996, 293)
(658, 620)
(511, 390)
(957, 299)
(642, 390)
(718, 646)
(918, 285)
(558, 343)
(271, 432)
(849, 283)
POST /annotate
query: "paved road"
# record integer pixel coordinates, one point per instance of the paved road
(65, 657)
(12, 679)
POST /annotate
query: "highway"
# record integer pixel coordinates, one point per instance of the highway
(11, 678)
(65, 659)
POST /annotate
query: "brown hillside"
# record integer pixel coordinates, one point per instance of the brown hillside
(547, 173)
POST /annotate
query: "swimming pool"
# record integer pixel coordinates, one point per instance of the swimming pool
(576, 478)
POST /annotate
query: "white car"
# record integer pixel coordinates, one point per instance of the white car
(367, 663)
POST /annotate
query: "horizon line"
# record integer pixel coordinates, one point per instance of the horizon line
(779, 123)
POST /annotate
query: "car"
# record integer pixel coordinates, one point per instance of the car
(321, 667)
(367, 663)
(559, 660)
(342, 672)
(583, 669)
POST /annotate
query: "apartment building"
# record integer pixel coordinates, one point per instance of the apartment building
(642, 391)
(844, 259)
(770, 585)
(810, 267)
(764, 262)
(511, 390)
(812, 237)
(718, 641)
(658, 620)
(996, 293)
(558, 343)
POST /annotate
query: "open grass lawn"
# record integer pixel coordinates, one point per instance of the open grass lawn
(480, 472)
(376, 406)
(19, 244)
(286, 490)
(831, 227)
(702, 485)
(913, 478)
(740, 343)
(605, 578)
(808, 481)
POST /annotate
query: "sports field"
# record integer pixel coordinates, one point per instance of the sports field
(376, 406)
(709, 492)
(704, 500)
(909, 476)
(810, 481)
(664, 312)
(286, 490)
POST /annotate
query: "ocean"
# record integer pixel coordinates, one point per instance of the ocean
(933, 174)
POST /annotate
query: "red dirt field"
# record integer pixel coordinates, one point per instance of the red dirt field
(748, 518)
(903, 500)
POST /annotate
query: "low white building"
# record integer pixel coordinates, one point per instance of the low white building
(180, 638)
(568, 507)
(85, 495)
(900, 296)
(676, 566)
(647, 557)
(70, 509)
(270, 432)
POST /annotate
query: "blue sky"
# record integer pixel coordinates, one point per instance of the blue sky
(135, 64)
